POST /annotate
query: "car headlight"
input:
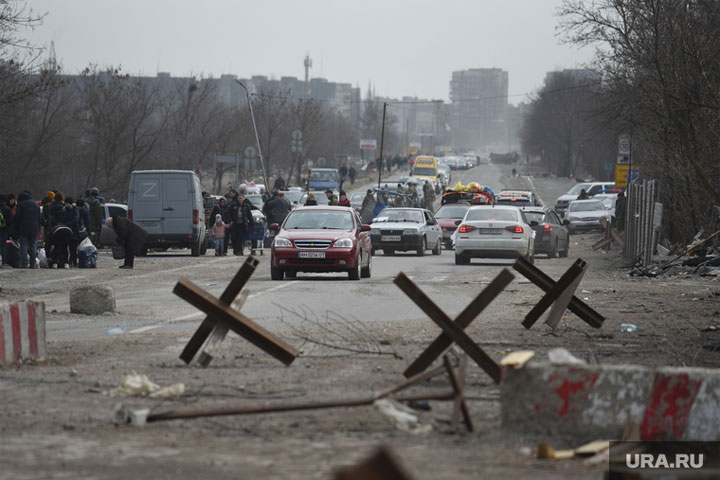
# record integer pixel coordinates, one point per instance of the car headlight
(344, 243)
(282, 242)
(410, 231)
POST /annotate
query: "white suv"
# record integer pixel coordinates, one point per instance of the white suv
(572, 194)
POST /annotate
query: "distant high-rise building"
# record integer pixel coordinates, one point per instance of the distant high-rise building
(580, 75)
(479, 99)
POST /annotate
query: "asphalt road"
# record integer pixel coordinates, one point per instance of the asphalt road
(145, 301)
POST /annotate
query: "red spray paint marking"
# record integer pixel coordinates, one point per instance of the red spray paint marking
(3, 359)
(32, 330)
(16, 339)
(567, 390)
(672, 398)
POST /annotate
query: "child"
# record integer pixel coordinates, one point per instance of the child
(218, 233)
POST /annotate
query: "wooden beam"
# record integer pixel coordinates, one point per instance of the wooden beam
(576, 270)
(452, 330)
(443, 342)
(236, 321)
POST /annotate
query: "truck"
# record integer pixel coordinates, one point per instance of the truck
(322, 179)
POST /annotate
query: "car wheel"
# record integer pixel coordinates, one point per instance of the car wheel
(564, 252)
(438, 248)
(388, 252)
(554, 252)
(365, 272)
(571, 230)
(195, 250)
(290, 274)
(354, 274)
(276, 273)
(203, 247)
(460, 260)
(422, 247)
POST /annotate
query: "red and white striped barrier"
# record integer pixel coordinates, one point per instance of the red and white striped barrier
(22, 331)
(595, 401)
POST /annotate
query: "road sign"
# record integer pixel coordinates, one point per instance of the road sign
(608, 166)
(250, 152)
(297, 135)
(624, 144)
(370, 144)
(621, 175)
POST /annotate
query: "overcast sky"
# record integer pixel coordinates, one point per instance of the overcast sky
(401, 47)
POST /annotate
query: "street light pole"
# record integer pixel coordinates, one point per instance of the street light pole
(257, 138)
(382, 145)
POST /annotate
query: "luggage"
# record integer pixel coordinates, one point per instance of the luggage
(118, 252)
(13, 253)
(87, 259)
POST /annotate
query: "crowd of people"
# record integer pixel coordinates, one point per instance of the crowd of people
(57, 223)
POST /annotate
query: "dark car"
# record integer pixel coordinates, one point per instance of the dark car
(321, 239)
(551, 236)
(447, 216)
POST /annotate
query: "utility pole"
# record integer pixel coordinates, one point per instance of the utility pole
(257, 138)
(382, 144)
(308, 64)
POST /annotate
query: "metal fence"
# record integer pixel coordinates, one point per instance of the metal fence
(643, 217)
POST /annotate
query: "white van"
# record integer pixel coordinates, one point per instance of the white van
(168, 204)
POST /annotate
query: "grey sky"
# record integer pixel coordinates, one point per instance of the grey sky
(402, 47)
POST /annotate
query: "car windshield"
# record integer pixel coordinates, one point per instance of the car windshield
(452, 211)
(492, 214)
(534, 217)
(586, 206)
(324, 176)
(399, 215)
(425, 171)
(577, 189)
(515, 201)
(319, 219)
(293, 196)
(357, 198)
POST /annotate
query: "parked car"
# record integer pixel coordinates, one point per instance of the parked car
(356, 200)
(321, 239)
(586, 215)
(520, 193)
(406, 229)
(256, 199)
(168, 204)
(609, 200)
(447, 216)
(294, 197)
(493, 232)
(591, 188)
(551, 236)
(107, 234)
(513, 200)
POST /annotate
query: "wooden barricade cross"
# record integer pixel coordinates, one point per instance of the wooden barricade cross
(454, 331)
(221, 318)
(560, 294)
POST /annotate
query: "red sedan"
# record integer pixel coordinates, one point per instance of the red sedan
(321, 239)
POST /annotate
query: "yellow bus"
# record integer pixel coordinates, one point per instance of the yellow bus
(425, 167)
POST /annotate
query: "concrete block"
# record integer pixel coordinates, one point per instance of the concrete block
(22, 331)
(92, 299)
(588, 402)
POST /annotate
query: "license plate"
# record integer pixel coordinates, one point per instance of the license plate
(390, 238)
(311, 254)
(490, 231)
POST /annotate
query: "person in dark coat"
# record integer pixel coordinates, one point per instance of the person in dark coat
(367, 210)
(277, 209)
(310, 200)
(242, 225)
(71, 219)
(27, 226)
(5, 224)
(620, 208)
(129, 235)
(232, 234)
(84, 214)
(59, 240)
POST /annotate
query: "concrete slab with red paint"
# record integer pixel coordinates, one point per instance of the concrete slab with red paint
(22, 331)
(586, 402)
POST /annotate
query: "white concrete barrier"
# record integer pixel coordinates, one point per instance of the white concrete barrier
(22, 331)
(586, 402)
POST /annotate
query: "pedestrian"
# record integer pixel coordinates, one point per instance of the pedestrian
(279, 183)
(244, 223)
(11, 203)
(96, 215)
(351, 174)
(130, 236)
(207, 207)
(59, 240)
(583, 195)
(71, 219)
(332, 198)
(429, 196)
(277, 209)
(84, 223)
(5, 223)
(620, 209)
(344, 200)
(367, 210)
(412, 199)
(57, 207)
(218, 232)
(232, 234)
(26, 223)
(310, 200)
